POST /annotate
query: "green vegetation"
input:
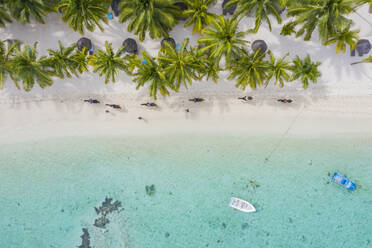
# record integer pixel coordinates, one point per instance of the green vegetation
(325, 15)
(156, 17)
(260, 9)
(249, 69)
(108, 62)
(198, 14)
(29, 68)
(62, 61)
(222, 39)
(23, 10)
(174, 67)
(344, 37)
(83, 14)
(280, 69)
(6, 54)
(306, 70)
(179, 65)
(4, 16)
(152, 72)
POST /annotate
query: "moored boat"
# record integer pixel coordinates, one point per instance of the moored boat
(241, 205)
(343, 181)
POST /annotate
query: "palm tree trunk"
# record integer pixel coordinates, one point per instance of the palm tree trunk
(359, 62)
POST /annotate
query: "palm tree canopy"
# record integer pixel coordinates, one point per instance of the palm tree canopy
(156, 17)
(198, 14)
(83, 14)
(24, 10)
(222, 39)
(306, 70)
(344, 37)
(261, 9)
(259, 45)
(108, 62)
(249, 69)
(179, 66)
(29, 69)
(326, 15)
(6, 53)
(153, 74)
(4, 16)
(81, 59)
(280, 69)
(84, 42)
(62, 61)
(130, 46)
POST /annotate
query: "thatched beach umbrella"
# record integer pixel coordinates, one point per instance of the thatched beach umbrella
(182, 7)
(170, 41)
(115, 7)
(230, 10)
(259, 45)
(84, 42)
(363, 46)
(131, 46)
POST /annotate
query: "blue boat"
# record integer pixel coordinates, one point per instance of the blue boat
(343, 181)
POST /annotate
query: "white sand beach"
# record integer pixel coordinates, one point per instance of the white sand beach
(340, 103)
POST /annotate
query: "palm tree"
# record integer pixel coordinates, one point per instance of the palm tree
(62, 61)
(179, 65)
(83, 14)
(197, 14)
(30, 69)
(262, 10)
(81, 60)
(157, 17)
(306, 70)
(326, 15)
(4, 16)
(152, 73)
(5, 62)
(249, 69)
(210, 69)
(344, 37)
(280, 69)
(108, 62)
(222, 39)
(23, 10)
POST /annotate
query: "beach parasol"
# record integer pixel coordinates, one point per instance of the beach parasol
(363, 46)
(84, 42)
(131, 46)
(259, 45)
(170, 41)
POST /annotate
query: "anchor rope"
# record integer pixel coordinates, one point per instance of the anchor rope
(284, 134)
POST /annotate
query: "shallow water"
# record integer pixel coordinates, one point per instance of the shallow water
(49, 190)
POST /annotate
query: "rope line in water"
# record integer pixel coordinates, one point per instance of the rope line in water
(284, 134)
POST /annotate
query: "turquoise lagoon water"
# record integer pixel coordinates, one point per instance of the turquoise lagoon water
(49, 190)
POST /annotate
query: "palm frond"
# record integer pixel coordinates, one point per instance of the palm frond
(82, 15)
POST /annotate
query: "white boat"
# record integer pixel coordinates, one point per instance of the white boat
(241, 205)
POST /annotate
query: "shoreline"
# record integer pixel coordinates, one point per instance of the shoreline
(306, 117)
